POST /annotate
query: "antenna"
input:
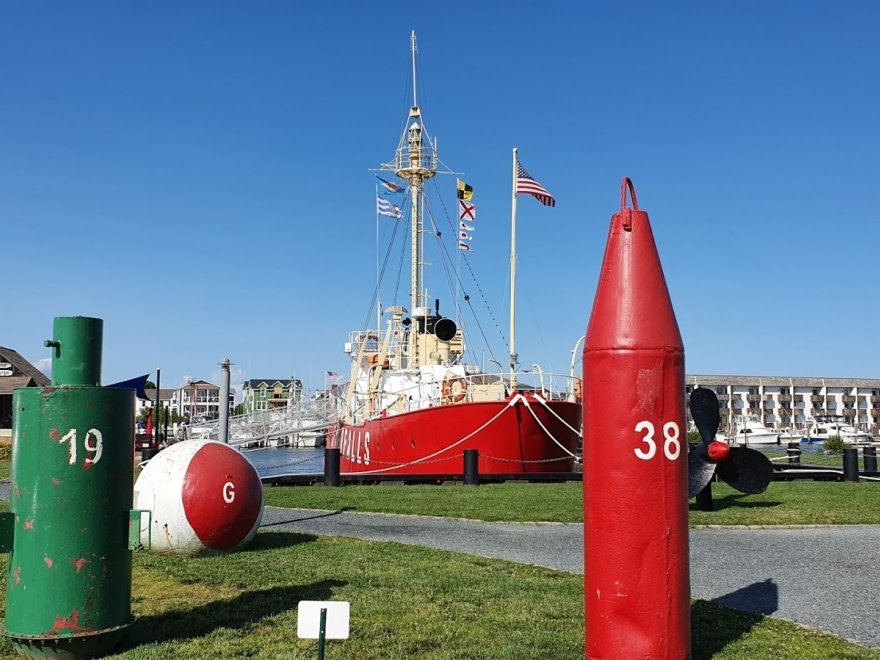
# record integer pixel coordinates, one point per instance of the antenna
(414, 51)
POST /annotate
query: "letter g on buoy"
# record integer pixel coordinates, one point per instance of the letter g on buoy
(229, 492)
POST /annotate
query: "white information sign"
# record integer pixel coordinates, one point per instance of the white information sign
(308, 619)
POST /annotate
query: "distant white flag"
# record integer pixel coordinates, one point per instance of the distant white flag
(384, 207)
(464, 236)
(465, 247)
(465, 226)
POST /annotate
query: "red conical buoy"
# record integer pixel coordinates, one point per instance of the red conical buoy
(637, 586)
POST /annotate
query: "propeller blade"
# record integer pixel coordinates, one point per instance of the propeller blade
(747, 470)
(700, 471)
(704, 410)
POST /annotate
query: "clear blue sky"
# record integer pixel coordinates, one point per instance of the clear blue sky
(206, 164)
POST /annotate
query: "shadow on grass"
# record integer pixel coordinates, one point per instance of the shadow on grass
(280, 539)
(738, 500)
(297, 519)
(237, 613)
(720, 622)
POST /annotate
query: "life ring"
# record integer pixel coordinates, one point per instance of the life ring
(454, 390)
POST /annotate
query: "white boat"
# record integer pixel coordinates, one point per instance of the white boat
(750, 432)
(817, 429)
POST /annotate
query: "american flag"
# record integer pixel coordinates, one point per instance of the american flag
(332, 375)
(526, 184)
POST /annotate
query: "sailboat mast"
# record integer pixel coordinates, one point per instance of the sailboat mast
(514, 358)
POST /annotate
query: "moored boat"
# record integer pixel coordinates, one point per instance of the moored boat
(413, 403)
(821, 427)
(750, 432)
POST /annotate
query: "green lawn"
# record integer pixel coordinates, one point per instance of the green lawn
(410, 602)
(783, 503)
(406, 602)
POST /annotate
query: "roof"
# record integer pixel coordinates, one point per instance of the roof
(200, 385)
(255, 383)
(164, 394)
(24, 374)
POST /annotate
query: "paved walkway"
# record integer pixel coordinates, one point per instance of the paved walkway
(823, 577)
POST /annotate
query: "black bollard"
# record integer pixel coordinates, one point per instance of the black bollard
(704, 499)
(794, 452)
(870, 456)
(471, 471)
(850, 463)
(331, 467)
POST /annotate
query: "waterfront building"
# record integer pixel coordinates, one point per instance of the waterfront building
(268, 394)
(781, 402)
(165, 400)
(199, 400)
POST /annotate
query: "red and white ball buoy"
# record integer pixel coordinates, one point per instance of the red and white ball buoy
(204, 496)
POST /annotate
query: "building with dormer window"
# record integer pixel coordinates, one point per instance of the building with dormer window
(268, 394)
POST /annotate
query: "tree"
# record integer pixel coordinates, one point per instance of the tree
(173, 416)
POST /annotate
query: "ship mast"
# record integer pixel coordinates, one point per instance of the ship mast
(415, 161)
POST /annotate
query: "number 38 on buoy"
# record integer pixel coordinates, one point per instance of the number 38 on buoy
(637, 584)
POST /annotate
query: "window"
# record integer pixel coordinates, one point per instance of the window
(262, 405)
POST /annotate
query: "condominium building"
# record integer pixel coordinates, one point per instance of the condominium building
(199, 400)
(786, 402)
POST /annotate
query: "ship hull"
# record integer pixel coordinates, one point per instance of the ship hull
(507, 435)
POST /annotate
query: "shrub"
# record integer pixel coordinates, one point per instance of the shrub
(834, 444)
(694, 437)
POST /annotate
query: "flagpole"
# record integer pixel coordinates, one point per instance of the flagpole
(513, 356)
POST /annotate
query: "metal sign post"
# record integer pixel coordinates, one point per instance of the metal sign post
(322, 619)
(322, 633)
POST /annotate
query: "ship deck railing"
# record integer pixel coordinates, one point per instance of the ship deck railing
(480, 387)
